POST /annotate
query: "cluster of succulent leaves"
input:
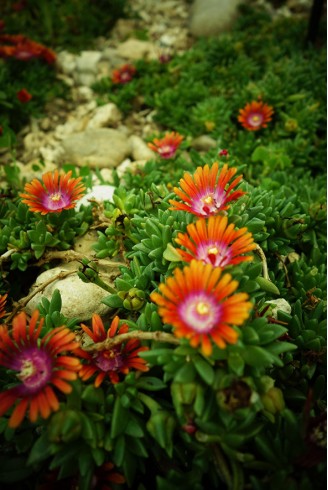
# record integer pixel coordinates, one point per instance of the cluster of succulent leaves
(70, 25)
(35, 76)
(202, 90)
(252, 415)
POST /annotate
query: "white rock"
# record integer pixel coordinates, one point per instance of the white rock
(85, 78)
(139, 149)
(66, 62)
(87, 61)
(50, 154)
(129, 166)
(280, 304)
(34, 140)
(211, 17)
(134, 49)
(105, 116)
(83, 94)
(34, 170)
(79, 299)
(99, 193)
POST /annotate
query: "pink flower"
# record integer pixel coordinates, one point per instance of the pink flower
(208, 191)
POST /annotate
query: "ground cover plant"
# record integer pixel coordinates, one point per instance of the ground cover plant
(210, 369)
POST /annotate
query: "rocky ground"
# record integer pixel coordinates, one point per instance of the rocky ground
(78, 131)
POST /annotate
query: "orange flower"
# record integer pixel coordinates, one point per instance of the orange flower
(215, 242)
(255, 115)
(3, 299)
(166, 147)
(124, 74)
(39, 364)
(199, 304)
(24, 96)
(208, 191)
(55, 194)
(110, 362)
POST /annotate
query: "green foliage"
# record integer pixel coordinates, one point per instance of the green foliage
(251, 415)
(70, 25)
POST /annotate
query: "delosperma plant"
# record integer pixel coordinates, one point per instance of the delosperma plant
(208, 371)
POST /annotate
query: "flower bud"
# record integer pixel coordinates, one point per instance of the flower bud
(273, 400)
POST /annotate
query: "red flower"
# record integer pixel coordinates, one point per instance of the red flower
(104, 475)
(215, 242)
(124, 74)
(39, 364)
(24, 96)
(110, 362)
(208, 191)
(166, 147)
(1, 130)
(55, 194)
(255, 115)
(223, 153)
(199, 304)
(24, 49)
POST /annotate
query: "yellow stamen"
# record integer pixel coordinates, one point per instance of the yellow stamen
(202, 308)
(56, 197)
(208, 200)
(213, 250)
(256, 118)
(27, 370)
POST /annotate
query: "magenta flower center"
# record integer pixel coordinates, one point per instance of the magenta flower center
(110, 360)
(215, 253)
(208, 203)
(200, 312)
(255, 119)
(35, 369)
(167, 151)
(56, 200)
(125, 76)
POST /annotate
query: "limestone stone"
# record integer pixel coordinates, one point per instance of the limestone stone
(129, 166)
(102, 147)
(211, 17)
(99, 193)
(140, 150)
(87, 61)
(34, 169)
(66, 62)
(134, 49)
(79, 299)
(105, 116)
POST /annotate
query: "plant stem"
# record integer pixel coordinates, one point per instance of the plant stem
(262, 256)
(136, 334)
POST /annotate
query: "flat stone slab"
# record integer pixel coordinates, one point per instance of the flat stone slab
(97, 148)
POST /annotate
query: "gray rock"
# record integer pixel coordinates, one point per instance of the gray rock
(101, 148)
(211, 17)
(79, 299)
